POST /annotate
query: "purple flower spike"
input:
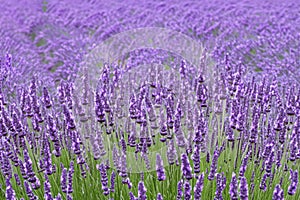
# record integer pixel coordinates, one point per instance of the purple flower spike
(185, 167)
(187, 190)
(29, 191)
(233, 188)
(63, 180)
(112, 181)
(160, 168)
(243, 188)
(47, 188)
(179, 190)
(104, 179)
(278, 193)
(10, 193)
(17, 178)
(70, 178)
(294, 182)
(213, 167)
(58, 197)
(196, 158)
(263, 185)
(171, 154)
(142, 191)
(244, 165)
(199, 187)
(221, 184)
(132, 197)
(159, 197)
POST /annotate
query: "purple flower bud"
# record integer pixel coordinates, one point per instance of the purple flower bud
(179, 190)
(187, 190)
(58, 197)
(69, 197)
(196, 158)
(185, 167)
(46, 98)
(159, 197)
(63, 180)
(244, 165)
(28, 167)
(221, 184)
(47, 189)
(127, 182)
(61, 92)
(104, 179)
(233, 188)
(199, 187)
(213, 167)
(36, 185)
(294, 182)
(47, 158)
(278, 193)
(171, 153)
(75, 142)
(243, 188)
(116, 158)
(70, 178)
(269, 162)
(263, 185)
(131, 196)
(29, 192)
(123, 172)
(10, 193)
(18, 181)
(112, 181)
(160, 168)
(142, 191)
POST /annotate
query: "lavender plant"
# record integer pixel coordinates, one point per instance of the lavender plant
(152, 123)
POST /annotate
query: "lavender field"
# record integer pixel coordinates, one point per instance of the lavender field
(157, 100)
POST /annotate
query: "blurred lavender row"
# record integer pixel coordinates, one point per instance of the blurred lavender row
(151, 109)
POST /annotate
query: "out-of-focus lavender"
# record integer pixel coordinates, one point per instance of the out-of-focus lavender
(151, 108)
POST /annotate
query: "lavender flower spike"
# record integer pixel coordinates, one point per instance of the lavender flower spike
(185, 167)
(243, 188)
(199, 187)
(187, 190)
(233, 188)
(10, 193)
(160, 168)
(142, 191)
(294, 182)
(278, 193)
(159, 197)
(179, 190)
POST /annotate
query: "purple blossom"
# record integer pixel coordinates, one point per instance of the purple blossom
(179, 190)
(10, 193)
(63, 180)
(142, 191)
(160, 168)
(185, 167)
(104, 179)
(112, 181)
(243, 188)
(187, 190)
(159, 197)
(278, 193)
(233, 187)
(221, 184)
(294, 182)
(70, 178)
(47, 188)
(199, 187)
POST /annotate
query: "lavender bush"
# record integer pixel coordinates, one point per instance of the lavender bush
(212, 111)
